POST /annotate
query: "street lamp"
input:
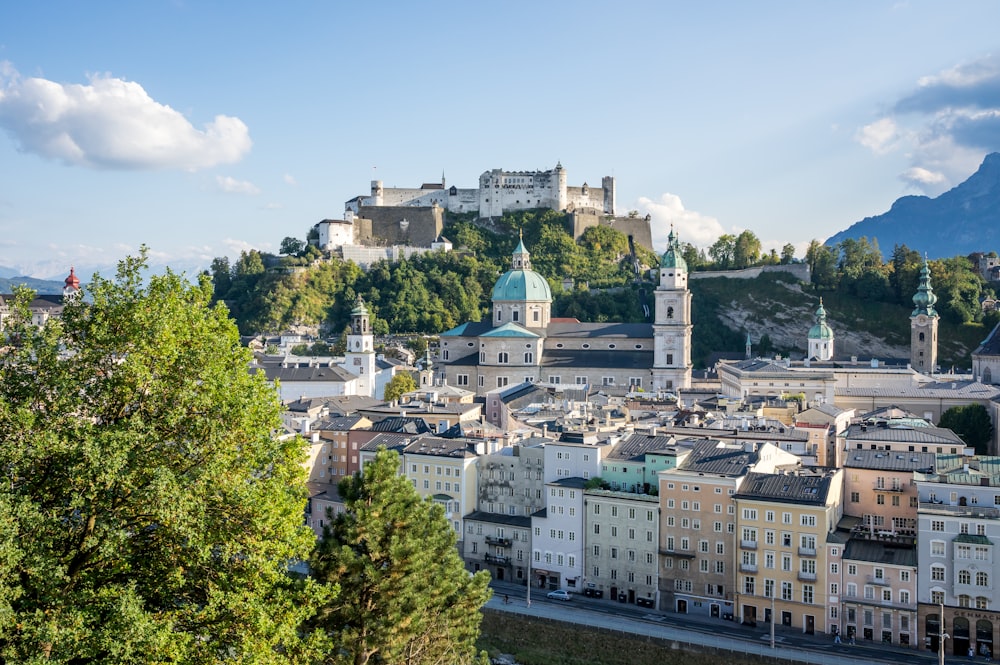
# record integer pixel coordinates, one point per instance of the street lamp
(772, 618)
(942, 636)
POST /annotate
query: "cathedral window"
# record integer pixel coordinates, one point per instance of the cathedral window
(670, 359)
(515, 315)
(670, 312)
(502, 358)
(529, 358)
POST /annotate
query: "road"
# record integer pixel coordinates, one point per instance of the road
(790, 644)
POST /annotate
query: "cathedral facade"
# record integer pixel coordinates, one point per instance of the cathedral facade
(522, 342)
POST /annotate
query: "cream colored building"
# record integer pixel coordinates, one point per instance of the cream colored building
(698, 525)
(782, 523)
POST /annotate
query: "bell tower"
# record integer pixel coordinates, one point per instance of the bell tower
(924, 325)
(360, 356)
(672, 322)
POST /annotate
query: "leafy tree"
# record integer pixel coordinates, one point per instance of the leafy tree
(746, 250)
(822, 265)
(148, 512)
(723, 252)
(405, 596)
(291, 246)
(787, 253)
(400, 384)
(972, 423)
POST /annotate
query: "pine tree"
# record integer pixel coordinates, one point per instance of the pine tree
(404, 594)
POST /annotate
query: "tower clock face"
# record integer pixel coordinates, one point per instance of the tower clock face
(922, 320)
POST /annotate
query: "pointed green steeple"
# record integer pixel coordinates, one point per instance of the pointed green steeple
(673, 257)
(924, 298)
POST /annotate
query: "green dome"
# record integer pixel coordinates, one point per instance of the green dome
(821, 330)
(673, 258)
(521, 285)
(359, 308)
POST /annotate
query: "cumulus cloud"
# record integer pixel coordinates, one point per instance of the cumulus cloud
(880, 136)
(693, 227)
(233, 186)
(111, 123)
(290, 180)
(945, 125)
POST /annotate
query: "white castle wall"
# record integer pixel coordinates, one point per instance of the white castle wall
(498, 191)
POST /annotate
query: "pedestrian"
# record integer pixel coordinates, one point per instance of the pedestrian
(836, 638)
(506, 599)
(852, 638)
(972, 653)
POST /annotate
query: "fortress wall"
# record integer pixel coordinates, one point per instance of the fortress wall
(799, 270)
(422, 225)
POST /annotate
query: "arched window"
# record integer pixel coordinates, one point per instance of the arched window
(670, 312)
(921, 337)
(982, 579)
(964, 601)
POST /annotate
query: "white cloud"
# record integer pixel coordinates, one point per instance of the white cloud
(290, 180)
(273, 206)
(233, 186)
(692, 227)
(112, 123)
(922, 176)
(880, 136)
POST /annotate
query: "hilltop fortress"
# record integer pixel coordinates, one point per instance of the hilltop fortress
(499, 191)
(411, 218)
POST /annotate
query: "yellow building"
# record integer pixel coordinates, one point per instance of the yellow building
(782, 522)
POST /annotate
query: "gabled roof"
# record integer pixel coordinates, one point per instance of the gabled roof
(807, 487)
(635, 447)
(510, 330)
(714, 457)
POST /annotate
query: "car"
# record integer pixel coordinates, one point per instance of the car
(559, 594)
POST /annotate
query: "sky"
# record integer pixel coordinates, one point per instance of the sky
(202, 129)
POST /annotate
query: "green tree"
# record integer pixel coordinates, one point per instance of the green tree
(291, 246)
(399, 385)
(405, 596)
(746, 250)
(148, 512)
(723, 252)
(822, 265)
(787, 253)
(972, 423)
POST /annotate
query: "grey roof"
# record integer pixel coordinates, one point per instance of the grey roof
(522, 521)
(401, 425)
(875, 552)
(389, 441)
(591, 330)
(902, 434)
(804, 487)
(583, 359)
(438, 447)
(324, 491)
(636, 446)
(337, 424)
(971, 389)
(306, 374)
(574, 483)
(711, 456)
(887, 460)
(991, 345)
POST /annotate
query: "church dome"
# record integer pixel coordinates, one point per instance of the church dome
(924, 299)
(521, 282)
(521, 285)
(821, 330)
(673, 258)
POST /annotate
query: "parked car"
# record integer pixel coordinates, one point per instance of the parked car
(559, 594)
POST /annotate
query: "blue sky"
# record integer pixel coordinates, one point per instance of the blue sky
(204, 128)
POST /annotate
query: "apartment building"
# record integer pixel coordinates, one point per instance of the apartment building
(782, 523)
(698, 524)
(620, 546)
(958, 528)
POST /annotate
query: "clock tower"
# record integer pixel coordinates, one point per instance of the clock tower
(924, 325)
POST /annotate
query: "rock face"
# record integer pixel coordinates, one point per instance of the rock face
(963, 220)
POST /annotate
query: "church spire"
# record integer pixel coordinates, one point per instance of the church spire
(521, 259)
(924, 298)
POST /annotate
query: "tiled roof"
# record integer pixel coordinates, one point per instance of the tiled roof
(712, 456)
(886, 460)
(805, 487)
(636, 446)
(875, 552)
(522, 521)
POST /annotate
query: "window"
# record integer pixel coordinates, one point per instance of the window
(937, 548)
(502, 358)
(937, 525)
(982, 579)
(855, 497)
(786, 590)
(750, 513)
(807, 520)
(937, 573)
(807, 593)
(462, 379)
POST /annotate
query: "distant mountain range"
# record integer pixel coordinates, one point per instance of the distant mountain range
(43, 287)
(963, 220)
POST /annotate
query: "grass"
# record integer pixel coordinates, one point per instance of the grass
(540, 642)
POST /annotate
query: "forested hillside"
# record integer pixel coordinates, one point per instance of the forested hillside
(868, 299)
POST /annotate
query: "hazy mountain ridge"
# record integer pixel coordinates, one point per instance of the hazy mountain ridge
(963, 220)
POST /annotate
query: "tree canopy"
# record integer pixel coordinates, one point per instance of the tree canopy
(972, 423)
(399, 385)
(405, 597)
(148, 512)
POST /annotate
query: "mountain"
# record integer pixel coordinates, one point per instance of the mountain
(963, 220)
(43, 287)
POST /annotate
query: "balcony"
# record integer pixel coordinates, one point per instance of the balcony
(807, 551)
(881, 581)
(499, 560)
(807, 577)
(889, 487)
(683, 555)
(500, 542)
(748, 568)
(939, 508)
(748, 544)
